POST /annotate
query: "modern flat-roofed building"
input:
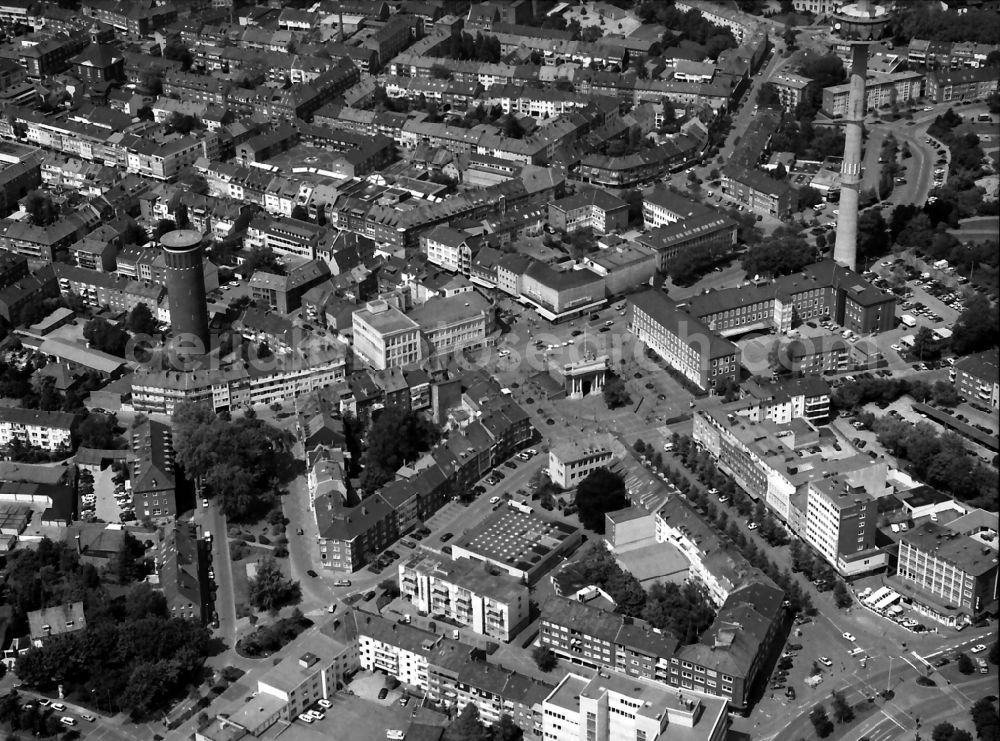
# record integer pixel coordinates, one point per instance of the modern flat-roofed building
(35, 428)
(663, 206)
(593, 209)
(953, 576)
(791, 88)
(614, 707)
(454, 323)
(474, 594)
(978, 377)
(385, 337)
(571, 461)
(524, 545)
(841, 519)
(710, 231)
(561, 294)
(682, 340)
(299, 681)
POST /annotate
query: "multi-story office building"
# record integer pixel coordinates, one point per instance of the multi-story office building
(706, 232)
(488, 601)
(454, 323)
(572, 461)
(880, 90)
(593, 209)
(34, 428)
(385, 337)
(663, 207)
(841, 519)
(561, 294)
(952, 575)
(757, 191)
(682, 340)
(978, 377)
(614, 707)
(822, 289)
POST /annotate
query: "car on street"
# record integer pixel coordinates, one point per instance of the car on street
(342, 583)
(369, 595)
(446, 537)
(204, 502)
(404, 700)
(58, 707)
(67, 720)
(825, 661)
(751, 526)
(383, 693)
(312, 573)
(494, 500)
(979, 648)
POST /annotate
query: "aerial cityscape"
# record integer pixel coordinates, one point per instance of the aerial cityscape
(448, 370)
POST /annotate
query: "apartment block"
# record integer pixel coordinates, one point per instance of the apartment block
(384, 337)
(682, 340)
(783, 400)
(600, 639)
(299, 681)
(50, 431)
(970, 84)
(153, 475)
(729, 659)
(880, 90)
(486, 600)
(791, 89)
(978, 377)
(449, 248)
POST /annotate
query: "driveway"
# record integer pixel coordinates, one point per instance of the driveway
(107, 507)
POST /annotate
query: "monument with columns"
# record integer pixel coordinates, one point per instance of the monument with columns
(584, 377)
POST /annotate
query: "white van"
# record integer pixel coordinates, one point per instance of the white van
(395, 735)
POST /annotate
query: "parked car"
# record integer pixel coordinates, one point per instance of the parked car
(383, 693)
(446, 537)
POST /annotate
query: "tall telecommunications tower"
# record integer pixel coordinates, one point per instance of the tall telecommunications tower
(857, 24)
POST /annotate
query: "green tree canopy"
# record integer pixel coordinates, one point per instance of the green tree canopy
(270, 590)
(601, 492)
